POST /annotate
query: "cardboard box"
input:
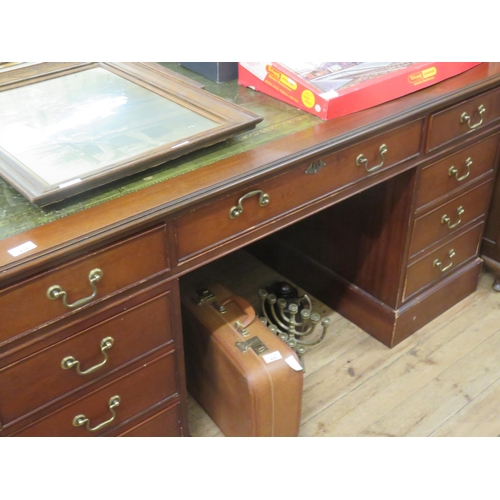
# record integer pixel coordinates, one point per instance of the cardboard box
(330, 90)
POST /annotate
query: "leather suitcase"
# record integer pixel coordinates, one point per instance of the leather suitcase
(244, 376)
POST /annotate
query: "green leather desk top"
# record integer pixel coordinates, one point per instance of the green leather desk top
(17, 214)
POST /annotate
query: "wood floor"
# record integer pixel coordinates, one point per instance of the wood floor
(442, 381)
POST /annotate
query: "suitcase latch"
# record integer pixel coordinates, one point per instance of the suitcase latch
(203, 295)
(255, 343)
(241, 329)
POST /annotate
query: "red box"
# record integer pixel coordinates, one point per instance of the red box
(329, 90)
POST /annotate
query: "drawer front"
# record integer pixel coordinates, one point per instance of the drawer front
(464, 118)
(450, 217)
(456, 171)
(270, 198)
(165, 423)
(37, 380)
(443, 261)
(27, 305)
(113, 404)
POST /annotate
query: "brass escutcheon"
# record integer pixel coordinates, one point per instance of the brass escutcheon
(315, 167)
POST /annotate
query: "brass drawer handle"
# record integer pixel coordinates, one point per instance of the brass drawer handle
(446, 220)
(362, 160)
(454, 171)
(69, 361)
(437, 263)
(55, 291)
(464, 117)
(80, 420)
(237, 210)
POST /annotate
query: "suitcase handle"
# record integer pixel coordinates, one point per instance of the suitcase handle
(245, 306)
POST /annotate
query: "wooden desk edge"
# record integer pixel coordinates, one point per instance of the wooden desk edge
(125, 213)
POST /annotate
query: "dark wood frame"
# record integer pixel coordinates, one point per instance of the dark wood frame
(232, 119)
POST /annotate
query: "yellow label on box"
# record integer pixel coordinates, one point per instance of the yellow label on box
(422, 76)
(429, 72)
(287, 82)
(308, 99)
(273, 73)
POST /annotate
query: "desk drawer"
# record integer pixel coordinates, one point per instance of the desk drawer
(443, 261)
(39, 379)
(450, 217)
(463, 118)
(136, 392)
(26, 305)
(263, 201)
(165, 423)
(456, 171)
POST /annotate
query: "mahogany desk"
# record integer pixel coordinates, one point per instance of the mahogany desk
(490, 248)
(380, 214)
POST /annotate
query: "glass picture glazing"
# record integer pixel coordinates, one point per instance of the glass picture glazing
(72, 126)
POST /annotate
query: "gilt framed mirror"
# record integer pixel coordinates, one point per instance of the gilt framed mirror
(69, 127)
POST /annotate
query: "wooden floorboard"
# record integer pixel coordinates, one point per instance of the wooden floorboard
(447, 393)
(442, 381)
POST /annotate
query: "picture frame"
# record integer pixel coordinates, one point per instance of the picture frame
(66, 128)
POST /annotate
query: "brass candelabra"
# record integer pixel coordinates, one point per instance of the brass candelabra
(292, 320)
